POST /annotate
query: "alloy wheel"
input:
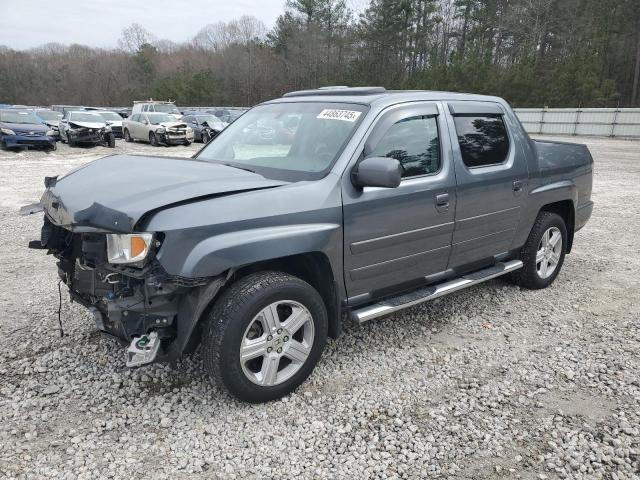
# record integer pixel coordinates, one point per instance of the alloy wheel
(549, 252)
(277, 343)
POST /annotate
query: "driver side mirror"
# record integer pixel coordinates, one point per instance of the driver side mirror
(377, 172)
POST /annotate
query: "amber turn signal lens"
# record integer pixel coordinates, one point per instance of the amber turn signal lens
(138, 246)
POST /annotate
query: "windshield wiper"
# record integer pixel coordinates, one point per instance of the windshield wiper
(239, 168)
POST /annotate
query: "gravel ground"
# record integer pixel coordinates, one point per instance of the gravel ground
(491, 382)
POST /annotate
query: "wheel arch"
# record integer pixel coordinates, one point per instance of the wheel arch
(566, 210)
(312, 267)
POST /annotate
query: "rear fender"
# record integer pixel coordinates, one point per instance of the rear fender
(539, 197)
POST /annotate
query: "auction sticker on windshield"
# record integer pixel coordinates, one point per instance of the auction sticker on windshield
(344, 115)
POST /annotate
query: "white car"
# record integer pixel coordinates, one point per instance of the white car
(113, 120)
(157, 129)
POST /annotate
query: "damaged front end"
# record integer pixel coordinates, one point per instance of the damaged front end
(79, 134)
(174, 134)
(131, 297)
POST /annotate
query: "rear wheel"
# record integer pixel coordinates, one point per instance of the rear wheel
(264, 336)
(543, 254)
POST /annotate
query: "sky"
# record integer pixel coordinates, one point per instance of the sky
(99, 23)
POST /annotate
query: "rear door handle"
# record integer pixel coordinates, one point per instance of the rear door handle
(442, 200)
(517, 185)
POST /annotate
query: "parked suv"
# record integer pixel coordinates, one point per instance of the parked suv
(373, 202)
(157, 129)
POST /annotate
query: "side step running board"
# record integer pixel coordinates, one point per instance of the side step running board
(425, 294)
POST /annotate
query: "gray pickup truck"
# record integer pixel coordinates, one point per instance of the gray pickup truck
(315, 207)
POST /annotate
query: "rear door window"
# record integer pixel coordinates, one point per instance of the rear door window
(483, 140)
(415, 143)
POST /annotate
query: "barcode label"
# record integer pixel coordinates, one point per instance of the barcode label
(344, 115)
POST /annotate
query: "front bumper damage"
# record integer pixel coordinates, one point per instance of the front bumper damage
(145, 307)
(86, 135)
(175, 136)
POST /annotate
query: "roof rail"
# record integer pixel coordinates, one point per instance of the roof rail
(337, 90)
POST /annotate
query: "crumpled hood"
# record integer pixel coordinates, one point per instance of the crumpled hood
(173, 124)
(73, 123)
(114, 193)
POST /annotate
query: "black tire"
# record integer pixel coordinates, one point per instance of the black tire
(232, 314)
(187, 143)
(153, 140)
(528, 276)
(72, 143)
(111, 140)
(205, 137)
(127, 136)
(53, 147)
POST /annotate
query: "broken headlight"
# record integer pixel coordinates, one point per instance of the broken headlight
(129, 248)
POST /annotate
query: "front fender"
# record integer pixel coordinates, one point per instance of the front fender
(219, 253)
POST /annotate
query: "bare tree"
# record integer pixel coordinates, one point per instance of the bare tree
(133, 37)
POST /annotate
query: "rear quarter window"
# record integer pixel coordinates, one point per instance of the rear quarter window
(483, 140)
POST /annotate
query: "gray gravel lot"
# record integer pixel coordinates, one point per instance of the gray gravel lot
(492, 382)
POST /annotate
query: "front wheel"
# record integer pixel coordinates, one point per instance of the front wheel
(111, 140)
(543, 254)
(205, 137)
(127, 136)
(264, 336)
(153, 140)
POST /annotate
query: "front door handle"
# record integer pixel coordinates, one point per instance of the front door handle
(517, 185)
(442, 200)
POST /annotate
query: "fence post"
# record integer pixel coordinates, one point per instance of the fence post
(544, 109)
(577, 122)
(615, 119)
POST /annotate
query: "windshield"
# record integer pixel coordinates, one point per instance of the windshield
(111, 116)
(49, 115)
(287, 141)
(158, 107)
(86, 117)
(157, 118)
(234, 114)
(18, 117)
(210, 119)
